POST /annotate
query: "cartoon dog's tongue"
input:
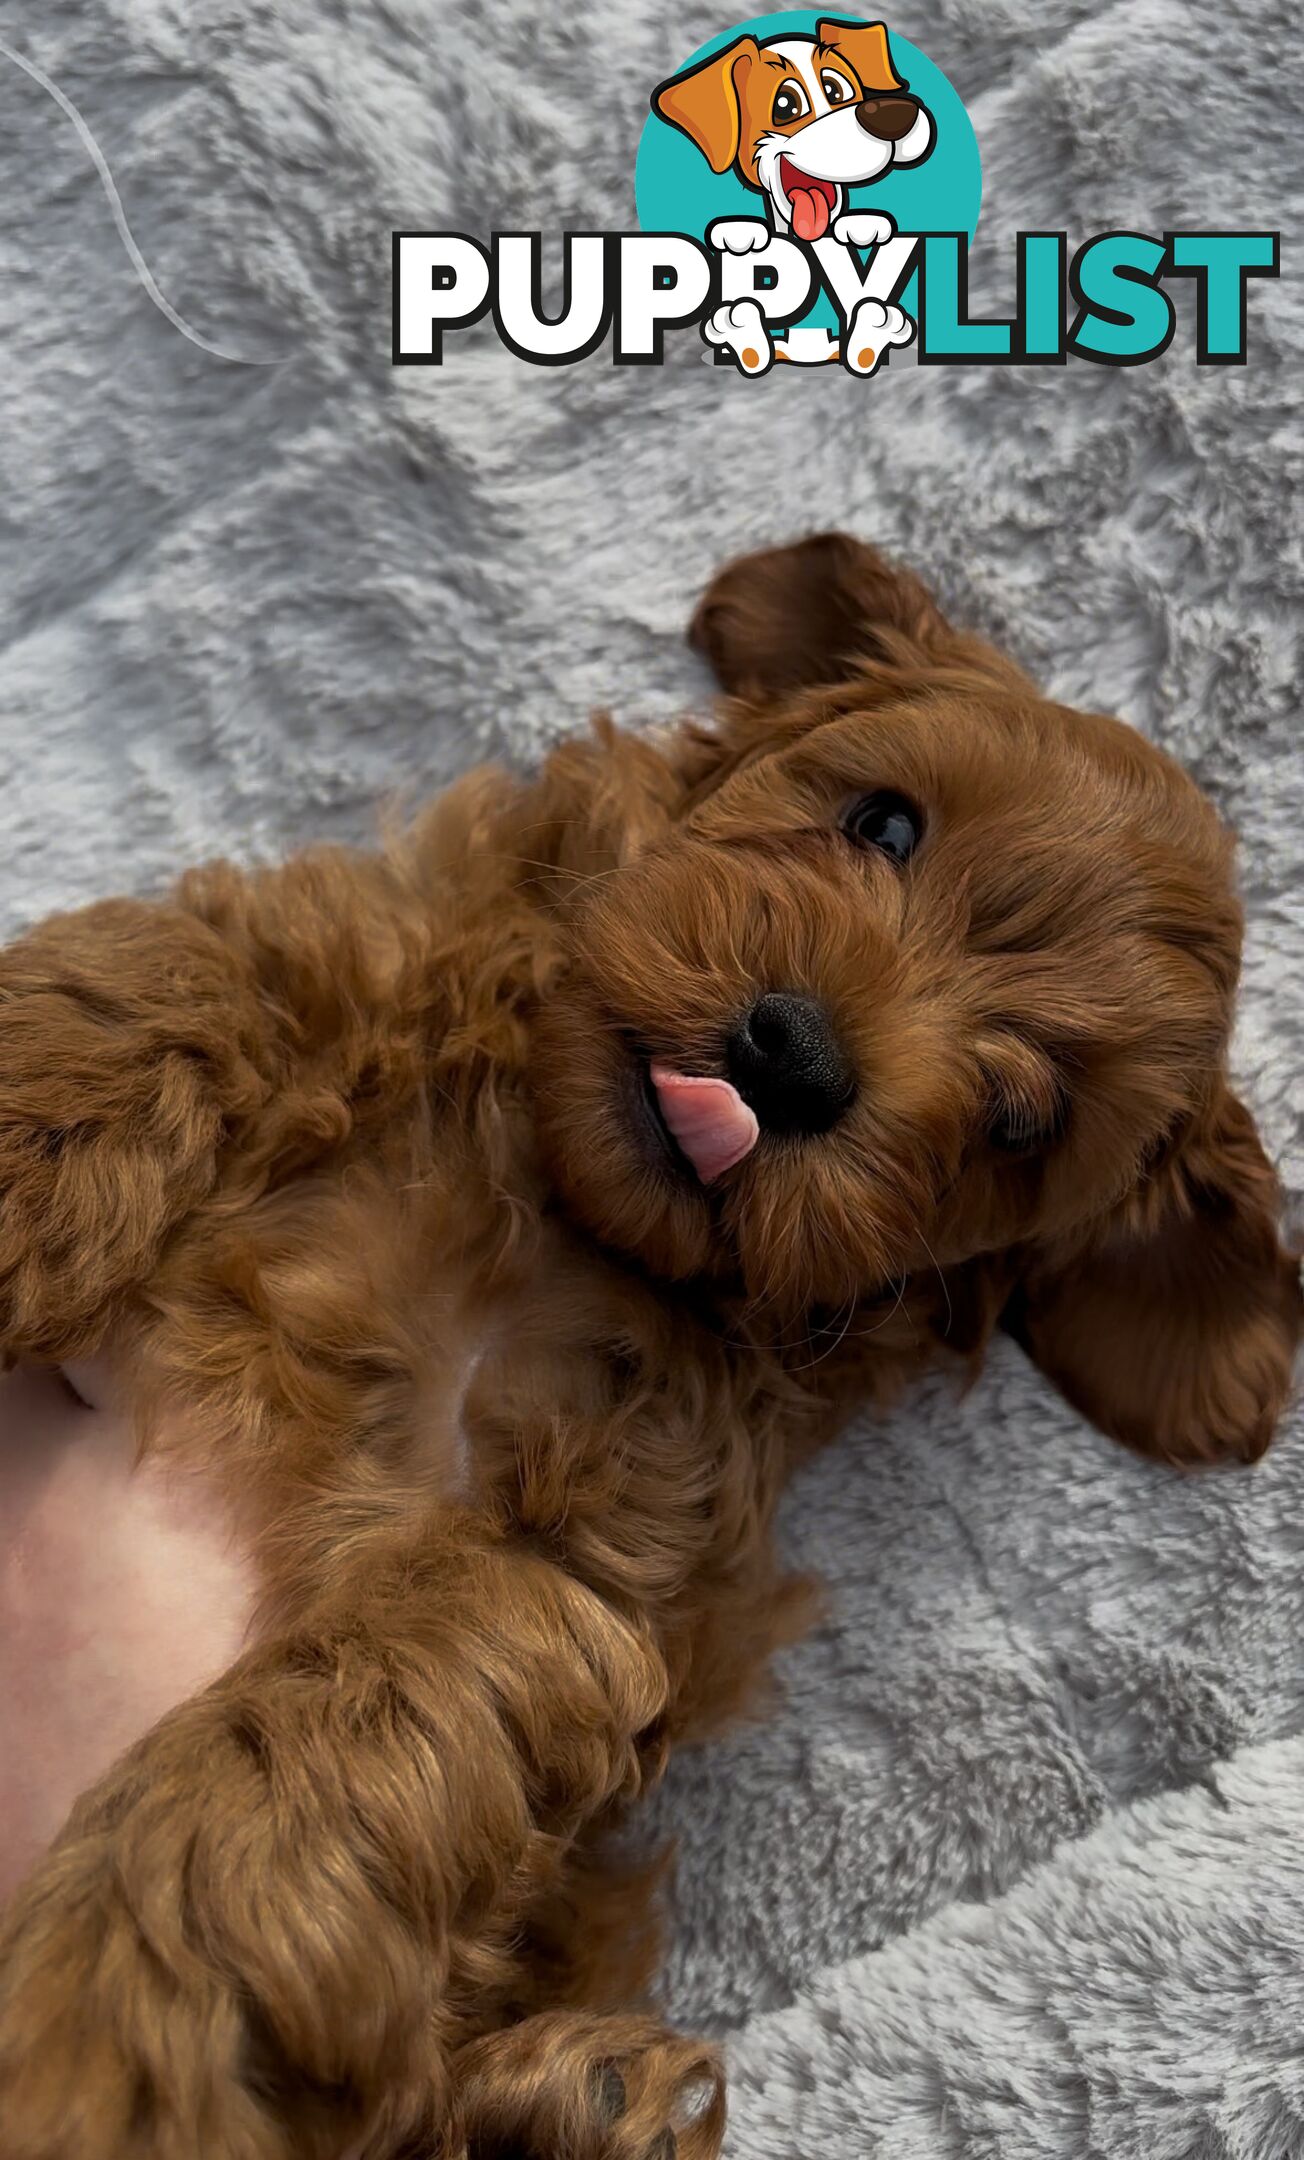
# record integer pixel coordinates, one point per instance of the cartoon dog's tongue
(708, 1120)
(809, 200)
(810, 213)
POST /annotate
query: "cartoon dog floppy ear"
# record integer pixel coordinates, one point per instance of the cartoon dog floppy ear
(864, 46)
(706, 101)
(724, 96)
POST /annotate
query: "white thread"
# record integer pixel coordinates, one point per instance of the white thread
(134, 256)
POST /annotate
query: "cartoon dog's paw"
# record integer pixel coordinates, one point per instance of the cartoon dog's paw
(740, 327)
(863, 228)
(739, 236)
(872, 331)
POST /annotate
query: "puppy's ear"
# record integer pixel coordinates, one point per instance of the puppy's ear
(1176, 1331)
(705, 102)
(866, 47)
(825, 611)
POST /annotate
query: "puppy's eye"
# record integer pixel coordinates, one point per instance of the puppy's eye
(1021, 1127)
(790, 102)
(885, 821)
(836, 88)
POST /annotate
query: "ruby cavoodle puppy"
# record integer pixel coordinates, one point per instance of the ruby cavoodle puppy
(421, 1271)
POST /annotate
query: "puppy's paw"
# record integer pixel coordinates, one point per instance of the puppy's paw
(597, 2087)
(739, 326)
(871, 333)
(863, 228)
(738, 236)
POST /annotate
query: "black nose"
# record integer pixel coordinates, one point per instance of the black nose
(889, 118)
(785, 1060)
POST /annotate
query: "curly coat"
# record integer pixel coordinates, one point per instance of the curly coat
(347, 1154)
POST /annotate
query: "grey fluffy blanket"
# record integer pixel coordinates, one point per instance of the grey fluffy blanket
(1018, 1871)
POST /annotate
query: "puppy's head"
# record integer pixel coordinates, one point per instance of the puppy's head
(800, 118)
(966, 957)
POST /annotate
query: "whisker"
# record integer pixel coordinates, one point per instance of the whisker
(581, 877)
(950, 1314)
(863, 1334)
(836, 1344)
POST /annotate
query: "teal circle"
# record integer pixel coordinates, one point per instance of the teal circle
(675, 189)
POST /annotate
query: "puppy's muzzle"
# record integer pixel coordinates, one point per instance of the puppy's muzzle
(785, 1060)
(888, 118)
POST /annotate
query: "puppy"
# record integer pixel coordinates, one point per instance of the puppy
(474, 1236)
(801, 119)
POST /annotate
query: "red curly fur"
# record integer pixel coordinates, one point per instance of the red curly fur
(304, 1138)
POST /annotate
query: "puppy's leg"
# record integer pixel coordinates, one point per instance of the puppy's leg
(127, 1040)
(238, 1033)
(591, 2086)
(252, 1938)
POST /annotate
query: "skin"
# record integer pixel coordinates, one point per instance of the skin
(120, 1595)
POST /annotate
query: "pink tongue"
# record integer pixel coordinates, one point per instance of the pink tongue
(810, 213)
(708, 1119)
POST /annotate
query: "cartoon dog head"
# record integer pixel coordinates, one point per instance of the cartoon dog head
(801, 118)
